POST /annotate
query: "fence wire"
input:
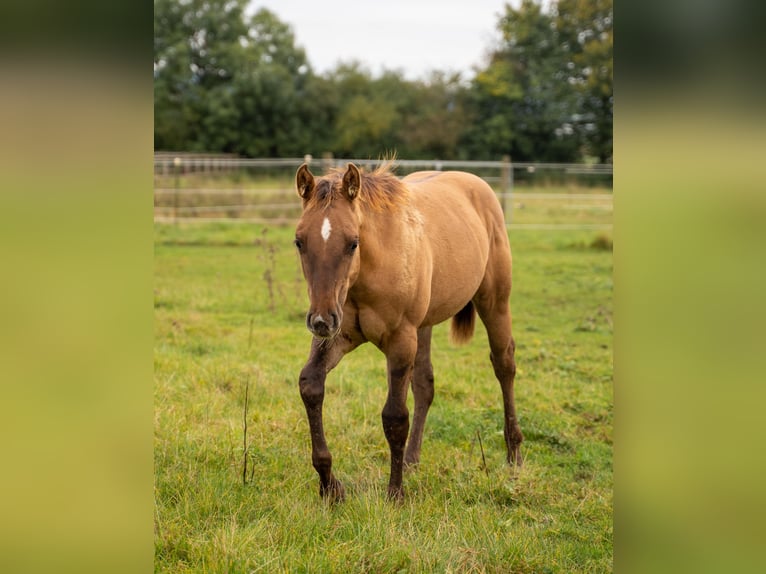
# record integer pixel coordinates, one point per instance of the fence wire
(208, 188)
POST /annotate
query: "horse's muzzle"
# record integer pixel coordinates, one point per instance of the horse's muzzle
(324, 327)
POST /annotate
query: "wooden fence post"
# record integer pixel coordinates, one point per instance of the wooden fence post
(177, 165)
(507, 179)
(327, 161)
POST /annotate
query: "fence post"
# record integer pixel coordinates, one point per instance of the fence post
(177, 166)
(507, 179)
(326, 161)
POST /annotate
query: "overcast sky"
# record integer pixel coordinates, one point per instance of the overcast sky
(414, 36)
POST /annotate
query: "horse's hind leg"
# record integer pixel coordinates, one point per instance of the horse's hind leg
(423, 391)
(494, 311)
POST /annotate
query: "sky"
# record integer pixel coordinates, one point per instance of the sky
(413, 36)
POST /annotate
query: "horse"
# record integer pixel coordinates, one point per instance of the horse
(385, 259)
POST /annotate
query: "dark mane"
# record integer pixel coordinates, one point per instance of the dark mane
(381, 190)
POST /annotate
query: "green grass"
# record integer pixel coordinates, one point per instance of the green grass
(229, 307)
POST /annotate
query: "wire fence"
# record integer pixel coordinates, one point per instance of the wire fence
(221, 188)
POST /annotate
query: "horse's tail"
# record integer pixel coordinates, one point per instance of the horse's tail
(463, 324)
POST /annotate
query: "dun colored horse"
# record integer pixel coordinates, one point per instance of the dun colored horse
(386, 259)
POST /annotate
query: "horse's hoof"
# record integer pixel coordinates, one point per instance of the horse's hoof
(396, 494)
(333, 491)
(515, 459)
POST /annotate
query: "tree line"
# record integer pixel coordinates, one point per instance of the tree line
(226, 81)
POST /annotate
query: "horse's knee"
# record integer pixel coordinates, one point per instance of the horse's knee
(311, 386)
(423, 384)
(504, 363)
(512, 354)
(428, 392)
(396, 424)
(512, 368)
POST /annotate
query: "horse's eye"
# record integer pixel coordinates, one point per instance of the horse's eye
(298, 244)
(353, 245)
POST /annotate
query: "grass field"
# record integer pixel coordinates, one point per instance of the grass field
(229, 310)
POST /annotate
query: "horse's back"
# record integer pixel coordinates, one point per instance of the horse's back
(432, 188)
(456, 202)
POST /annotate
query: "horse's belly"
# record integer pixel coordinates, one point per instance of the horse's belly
(450, 292)
(458, 268)
(461, 214)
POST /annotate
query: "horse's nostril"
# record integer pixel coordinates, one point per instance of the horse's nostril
(333, 318)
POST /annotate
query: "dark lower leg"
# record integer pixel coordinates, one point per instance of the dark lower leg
(423, 398)
(505, 370)
(423, 391)
(400, 349)
(395, 417)
(395, 426)
(312, 392)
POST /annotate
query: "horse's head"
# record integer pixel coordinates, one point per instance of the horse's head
(327, 239)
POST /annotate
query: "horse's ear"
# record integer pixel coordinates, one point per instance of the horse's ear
(352, 181)
(304, 182)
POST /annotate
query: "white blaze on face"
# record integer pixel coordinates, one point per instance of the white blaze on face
(326, 229)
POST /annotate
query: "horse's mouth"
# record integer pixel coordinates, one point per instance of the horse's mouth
(324, 333)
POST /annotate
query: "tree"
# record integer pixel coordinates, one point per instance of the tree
(232, 83)
(521, 101)
(432, 123)
(546, 94)
(363, 119)
(417, 119)
(227, 83)
(586, 29)
(192, 56)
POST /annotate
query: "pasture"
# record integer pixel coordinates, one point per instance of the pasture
(229, 330)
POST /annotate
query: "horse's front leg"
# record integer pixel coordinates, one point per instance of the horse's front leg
(400, 355)
(325, 354)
